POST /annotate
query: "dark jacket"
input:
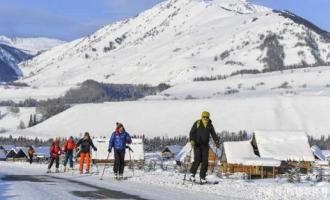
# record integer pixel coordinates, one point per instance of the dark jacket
(201, 135)
(85, 145)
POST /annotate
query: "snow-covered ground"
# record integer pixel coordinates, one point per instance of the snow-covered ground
(148, 185)
(304, 82)
(9, 121)
(175, 117)
(17, 94)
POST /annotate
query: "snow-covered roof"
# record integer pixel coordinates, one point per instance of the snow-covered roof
(2, 154)
(284, 145)
(21, 152)
(102, 149)
(7, 147)
(185, 151)
(317, 152)
(175, 149)
(242, 153)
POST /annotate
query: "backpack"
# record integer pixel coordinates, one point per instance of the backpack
(70, 145)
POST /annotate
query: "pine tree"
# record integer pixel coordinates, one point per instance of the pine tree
(30, 121)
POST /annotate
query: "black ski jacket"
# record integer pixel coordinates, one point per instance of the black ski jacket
(85, 145)
(201, 135)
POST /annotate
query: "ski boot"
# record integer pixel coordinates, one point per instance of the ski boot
(203, 181)
(116, 176)
(65, 169)
(192, 178)
(121, 177)
(48, 171)
(87, 172)
(57, 170)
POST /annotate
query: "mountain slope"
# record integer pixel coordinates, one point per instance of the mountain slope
(16, 50)
(179, 40)
(31, 46)
(9, 59)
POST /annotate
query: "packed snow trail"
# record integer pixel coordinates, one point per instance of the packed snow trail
(18, 180)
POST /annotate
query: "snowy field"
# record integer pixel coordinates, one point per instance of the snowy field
(175, 117)
(148, 185)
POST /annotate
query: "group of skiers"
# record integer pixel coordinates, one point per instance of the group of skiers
(118, 141)
(199, 138)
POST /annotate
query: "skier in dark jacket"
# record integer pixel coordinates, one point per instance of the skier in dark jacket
(199, 139)
(55, 152)
(85, 144)
(118, 141)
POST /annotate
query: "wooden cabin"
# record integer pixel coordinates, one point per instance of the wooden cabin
(240, 157)
(268, 153)
(170, 151)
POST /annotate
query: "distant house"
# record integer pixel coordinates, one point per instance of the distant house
(7, 148)
(240, 157)
(290, 147)
(171, 151)
(2, 155)
(268, 153)
(101, 155)
(11, 154)
(22, 153)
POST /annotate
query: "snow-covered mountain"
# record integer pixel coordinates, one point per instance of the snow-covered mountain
(9, 59)
(179, 40)
(31, 46)
(16, 50)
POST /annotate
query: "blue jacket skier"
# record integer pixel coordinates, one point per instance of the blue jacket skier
(118, 141)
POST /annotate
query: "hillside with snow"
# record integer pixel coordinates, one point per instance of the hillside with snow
(179, 40)
(175, 117)
(15, 50)
(31, 46)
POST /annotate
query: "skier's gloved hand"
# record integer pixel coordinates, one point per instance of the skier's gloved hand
(109, 150)
(95, 149)
(217, 144)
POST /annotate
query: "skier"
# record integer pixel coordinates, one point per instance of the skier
(55, 152)
(69, 146)
(85, 144)
(199, 139)
(118, 141)
(31, 152)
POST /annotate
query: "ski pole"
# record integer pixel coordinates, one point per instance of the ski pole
(97, 168)
(101, 178)
(186, 168)
(130, 158)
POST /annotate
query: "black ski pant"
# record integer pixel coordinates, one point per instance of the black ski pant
(201, 155)
(31, 159)
(57, 160)
(119, 165)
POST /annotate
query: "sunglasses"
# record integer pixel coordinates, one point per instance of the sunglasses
(206, 117)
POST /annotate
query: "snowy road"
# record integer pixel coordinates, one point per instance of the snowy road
(18, 181)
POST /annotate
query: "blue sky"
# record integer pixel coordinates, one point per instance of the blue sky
(71, 19)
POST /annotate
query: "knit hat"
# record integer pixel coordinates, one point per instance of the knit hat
(119, 125)
(205, 114)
